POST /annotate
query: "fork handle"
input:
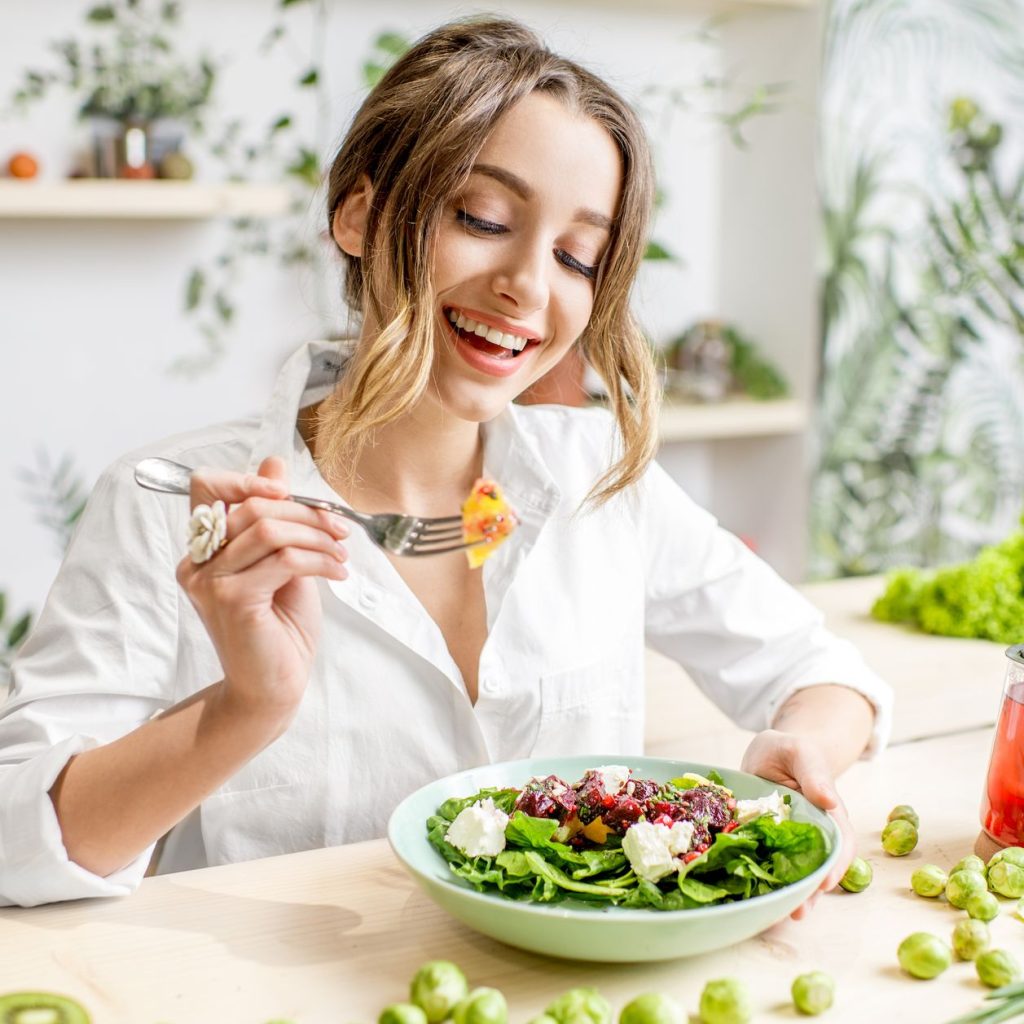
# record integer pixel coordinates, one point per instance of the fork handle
(171, 477)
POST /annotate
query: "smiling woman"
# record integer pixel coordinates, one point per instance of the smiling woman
(289, 688)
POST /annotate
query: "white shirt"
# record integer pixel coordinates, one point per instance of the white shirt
(571, 598)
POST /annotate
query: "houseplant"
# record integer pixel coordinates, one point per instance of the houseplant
(132, 83)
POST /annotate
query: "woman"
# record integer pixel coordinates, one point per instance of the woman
(289, 690)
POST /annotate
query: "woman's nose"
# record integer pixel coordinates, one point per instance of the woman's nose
(523, 276)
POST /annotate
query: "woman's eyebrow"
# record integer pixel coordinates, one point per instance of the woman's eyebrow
(522, 189)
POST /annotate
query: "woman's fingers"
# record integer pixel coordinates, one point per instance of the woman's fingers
(208, 485)
(266, 536)
(252, 510)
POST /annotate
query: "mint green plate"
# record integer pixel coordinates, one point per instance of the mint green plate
(579, 931)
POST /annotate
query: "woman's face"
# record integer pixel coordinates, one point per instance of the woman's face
(517, 253)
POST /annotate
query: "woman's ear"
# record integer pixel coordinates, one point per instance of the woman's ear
(349, 224)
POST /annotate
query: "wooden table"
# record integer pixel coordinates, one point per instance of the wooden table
(333, 935)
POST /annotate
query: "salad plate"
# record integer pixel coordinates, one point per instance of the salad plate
(572, 928)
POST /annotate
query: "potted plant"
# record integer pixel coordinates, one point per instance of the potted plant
(134, 85)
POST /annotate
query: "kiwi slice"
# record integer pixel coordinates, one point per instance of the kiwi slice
(41, 1008)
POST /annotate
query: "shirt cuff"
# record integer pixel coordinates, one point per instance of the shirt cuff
(34, 865)
(845, 667)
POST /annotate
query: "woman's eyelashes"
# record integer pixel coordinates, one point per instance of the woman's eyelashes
(489, 227)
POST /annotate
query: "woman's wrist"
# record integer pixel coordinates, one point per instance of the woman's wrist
(257, 716)
(839, 719)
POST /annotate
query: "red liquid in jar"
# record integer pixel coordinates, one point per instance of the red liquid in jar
(1002, 806)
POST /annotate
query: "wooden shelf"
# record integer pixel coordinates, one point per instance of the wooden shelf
(103, 199)
(735, 418)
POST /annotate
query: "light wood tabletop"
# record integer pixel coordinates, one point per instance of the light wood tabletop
(332, 936)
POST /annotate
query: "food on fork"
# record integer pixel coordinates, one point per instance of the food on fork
(487, 521)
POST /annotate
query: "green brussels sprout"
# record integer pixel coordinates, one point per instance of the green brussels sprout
(983, 907)
(996, 968)
(899, 837)
(436, 987)
(904, 812)
(402, 1013)
(923, 955)
(1013, 854)
(858, 876)
(725, 1001)
(580, 1006)
(962, 885)
(481, 1006)
(813, 992)
(970, 938)
(652, 1008)
(971, 862)
(929, 880)
(1007, 879)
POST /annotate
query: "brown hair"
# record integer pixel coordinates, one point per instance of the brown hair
(417, 136)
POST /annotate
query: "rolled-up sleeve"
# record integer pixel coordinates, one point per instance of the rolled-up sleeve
(746, 637)
(99, 662)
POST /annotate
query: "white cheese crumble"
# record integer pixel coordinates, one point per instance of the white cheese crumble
(748, 810)
(653, 850)
(478, 830)
(613, 777)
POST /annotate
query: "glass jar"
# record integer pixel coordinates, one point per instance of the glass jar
(1002, 803)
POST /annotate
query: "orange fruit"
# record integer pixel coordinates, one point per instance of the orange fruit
(23, 165)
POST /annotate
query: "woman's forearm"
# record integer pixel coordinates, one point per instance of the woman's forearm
(115, 800)
(841, 719)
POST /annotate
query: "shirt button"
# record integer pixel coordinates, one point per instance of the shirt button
(367, 598)
(488, 686)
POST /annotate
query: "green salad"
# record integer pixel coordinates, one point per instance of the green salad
(613, 838)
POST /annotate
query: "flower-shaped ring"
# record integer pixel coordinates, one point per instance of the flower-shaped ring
(207, 531)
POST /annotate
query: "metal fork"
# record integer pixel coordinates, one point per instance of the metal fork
(401, 535)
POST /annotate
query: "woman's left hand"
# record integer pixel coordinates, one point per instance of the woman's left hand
(800, 763)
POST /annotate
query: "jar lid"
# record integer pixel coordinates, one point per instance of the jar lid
(1016, 653)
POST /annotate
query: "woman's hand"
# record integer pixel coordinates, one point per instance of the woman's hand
(257, 595)
(800, 763)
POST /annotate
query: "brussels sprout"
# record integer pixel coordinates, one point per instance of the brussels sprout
(1007, 879)
(652, 1008)
(858, 876)
(481, 1006)
(996, 968)
(971, 862)
(970, 937)
(899, 837)
(1013, 854)
(813, 992)
(923, 955)
(904, 812)
(436, 987)
(929, 880)
(580, 1006)
(725, 1001)
(962, 885)
(402, 1013)
(983, 907)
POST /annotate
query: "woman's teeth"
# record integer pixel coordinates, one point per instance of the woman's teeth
(510, 341)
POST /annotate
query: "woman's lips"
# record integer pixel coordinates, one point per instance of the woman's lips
(485, 356)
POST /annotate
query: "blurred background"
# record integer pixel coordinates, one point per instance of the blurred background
(835, 281)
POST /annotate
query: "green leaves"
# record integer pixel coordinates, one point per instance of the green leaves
(753, 859)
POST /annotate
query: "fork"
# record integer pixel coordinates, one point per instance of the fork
(401, 535)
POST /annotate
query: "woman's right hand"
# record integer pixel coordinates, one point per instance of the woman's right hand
(257, 595)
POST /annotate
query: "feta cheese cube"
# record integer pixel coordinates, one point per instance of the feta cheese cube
(478, 830)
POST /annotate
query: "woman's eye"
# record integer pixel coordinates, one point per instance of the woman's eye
(485, 227)
(574, 264)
